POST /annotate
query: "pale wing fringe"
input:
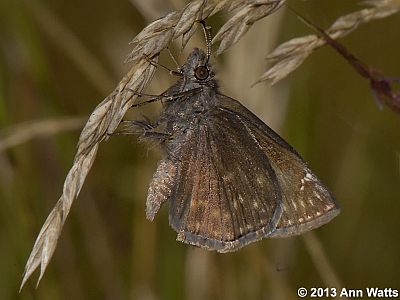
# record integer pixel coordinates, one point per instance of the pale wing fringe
(109, 113)
(291, 54)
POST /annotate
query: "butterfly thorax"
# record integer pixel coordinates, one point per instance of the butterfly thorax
(188, 112)
(192, 97)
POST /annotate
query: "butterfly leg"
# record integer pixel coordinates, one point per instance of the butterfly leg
(143, 128)
(156, 64)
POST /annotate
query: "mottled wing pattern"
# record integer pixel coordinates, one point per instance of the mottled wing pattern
(307, 203)
(227, 194)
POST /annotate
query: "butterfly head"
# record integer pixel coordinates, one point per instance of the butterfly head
(196, 71)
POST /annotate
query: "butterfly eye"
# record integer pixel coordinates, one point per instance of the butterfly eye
(201, 73)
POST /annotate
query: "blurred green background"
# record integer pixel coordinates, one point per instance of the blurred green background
(59, 59)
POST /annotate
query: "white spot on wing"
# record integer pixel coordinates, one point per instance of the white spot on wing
(309, 177)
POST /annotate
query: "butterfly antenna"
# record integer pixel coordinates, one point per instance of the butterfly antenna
(207, 37)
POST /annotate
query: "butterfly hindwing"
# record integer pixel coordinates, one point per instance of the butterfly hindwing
(307, 203)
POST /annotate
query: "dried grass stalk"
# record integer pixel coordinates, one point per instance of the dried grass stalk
(108, 114)
(102, 122)
(291, 54)
(238, 25)
(159, 34)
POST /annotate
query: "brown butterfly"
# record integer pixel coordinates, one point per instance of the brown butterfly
(229, 179)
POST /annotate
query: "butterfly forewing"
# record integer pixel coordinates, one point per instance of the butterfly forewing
(228, 194)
